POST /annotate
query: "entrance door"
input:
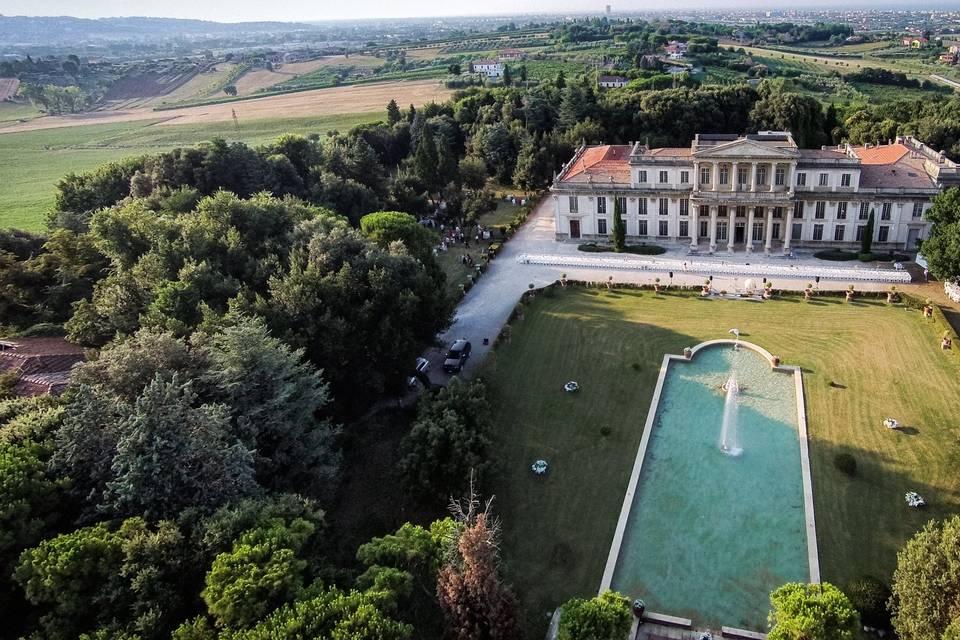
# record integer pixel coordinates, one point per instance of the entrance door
(574, 228)
(912, 236)
(739, 233)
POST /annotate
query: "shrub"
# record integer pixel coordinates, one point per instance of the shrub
(635, 366)
(869, 596)
(837, 255)
(845, 463)
(865, 256)
(605, 431)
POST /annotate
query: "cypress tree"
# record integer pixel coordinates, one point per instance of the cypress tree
(866, 240)
(619, 228)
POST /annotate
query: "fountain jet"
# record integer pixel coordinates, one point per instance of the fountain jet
(729, 438)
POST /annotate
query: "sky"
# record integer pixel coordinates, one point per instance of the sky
(300, 10)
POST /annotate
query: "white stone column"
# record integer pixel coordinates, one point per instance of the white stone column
(696, 176)
(788, 232)
(695, 230)
(768, 228)
(713, 228)
(731, 227)
(749, 237)
(791, 179)
(734, 170)
(753, 176)
(714, 176)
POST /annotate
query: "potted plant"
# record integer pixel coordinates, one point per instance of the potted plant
(808, 291)
(850, 293)
(892, 295)
(705, 289)
(767, 290)
(928, 308)
(563, 279)
(776, 361)
(609, 282)
(656, 285)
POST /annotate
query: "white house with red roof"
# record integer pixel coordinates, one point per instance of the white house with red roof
(758, 192)
(489, 68)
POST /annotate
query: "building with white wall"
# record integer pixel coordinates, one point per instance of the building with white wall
(489, 68)
(759, 192)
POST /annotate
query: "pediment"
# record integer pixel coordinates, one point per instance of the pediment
(748, 149)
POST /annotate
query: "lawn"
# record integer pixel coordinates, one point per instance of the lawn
(884, 359)
(32, 162)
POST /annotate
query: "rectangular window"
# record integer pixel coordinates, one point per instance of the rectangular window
(845, 180)
(664, 228)
(643, 176)
(883, 233)
(824, 179)
(664, 206)
(643, 228)
(704, 176)
(684, 177)
(722, 211)
(798, 210)
(777, 213)
(917, 209)
(601, 204)
(741, 176)
(841, 211)
(821, 211)
(721, 231)
(775, 230)
(761, 175)
(860, 231)
(643, 206)
(797, 232)
(838, 232)
(864, 211)
(801, 179)
(663, 177)
(573, 204)
(724, 175)
(621, 204)
(684, 228)
(741, 212)
(780, 176)
(758, 232)
(684, 207)
(885, 212)
(704, 228)
(704, 210)
(602, 226)
(818, 232)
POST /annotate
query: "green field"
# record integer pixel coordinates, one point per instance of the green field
(884, 360)
(32, 162)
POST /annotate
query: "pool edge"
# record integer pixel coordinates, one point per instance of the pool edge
(813, 558)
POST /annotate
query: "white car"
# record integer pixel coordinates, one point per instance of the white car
(423, 365)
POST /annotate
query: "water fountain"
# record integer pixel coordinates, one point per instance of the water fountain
(736, 343)
(729, 439)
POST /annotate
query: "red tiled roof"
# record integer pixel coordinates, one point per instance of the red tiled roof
(898, 175)
(821, 153)
(881, 154)
(601, 164)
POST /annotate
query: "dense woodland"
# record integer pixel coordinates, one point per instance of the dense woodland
(245, 306)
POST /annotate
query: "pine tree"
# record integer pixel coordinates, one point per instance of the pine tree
(561, 80)
(426, 161)
(393, 112)
(619, 228)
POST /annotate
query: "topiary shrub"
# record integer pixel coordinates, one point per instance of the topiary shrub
(845, 463)
(869, 596)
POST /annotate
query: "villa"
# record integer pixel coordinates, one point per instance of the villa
(731, 193)
(489, 68)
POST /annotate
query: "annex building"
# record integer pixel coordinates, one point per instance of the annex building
(758, 192)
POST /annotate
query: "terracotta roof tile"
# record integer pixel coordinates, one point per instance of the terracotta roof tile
(666, 152)
(600, 164)
(882, 154)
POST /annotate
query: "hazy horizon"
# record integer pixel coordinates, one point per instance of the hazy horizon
(301, 11)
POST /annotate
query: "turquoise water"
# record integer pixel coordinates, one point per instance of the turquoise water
(709, 535)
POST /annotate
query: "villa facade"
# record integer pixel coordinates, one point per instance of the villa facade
(758, 192)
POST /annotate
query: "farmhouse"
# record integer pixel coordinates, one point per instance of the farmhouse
(489, 68)
(38, 365)
(508, 55)
(675, 50)
(952, 46)
(916, 42)
(612, 82)
(756, 192)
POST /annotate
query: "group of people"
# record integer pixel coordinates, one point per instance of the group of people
(455, 235)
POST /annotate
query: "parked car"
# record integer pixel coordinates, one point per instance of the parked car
(456, 356)
(422, 366)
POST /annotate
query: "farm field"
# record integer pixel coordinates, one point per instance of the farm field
(8, 88)
(884, 360)
(260, 79)
(366, 98)
(31, 162)
(13, 112)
